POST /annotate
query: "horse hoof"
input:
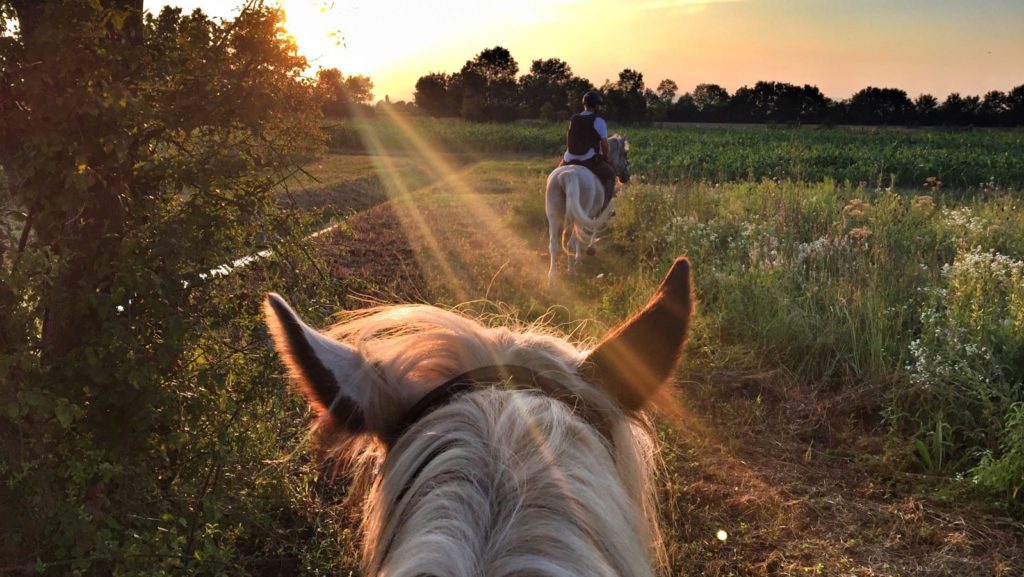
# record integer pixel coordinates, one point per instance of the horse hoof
(591, 251)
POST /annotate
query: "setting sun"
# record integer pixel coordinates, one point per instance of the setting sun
(358, 39)
(395, 42)
(310, 24)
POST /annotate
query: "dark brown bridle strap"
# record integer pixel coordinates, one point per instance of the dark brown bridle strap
(515, 377)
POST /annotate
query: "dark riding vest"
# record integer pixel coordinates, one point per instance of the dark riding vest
(582, 135)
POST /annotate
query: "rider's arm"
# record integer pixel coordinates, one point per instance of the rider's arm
(602, 131)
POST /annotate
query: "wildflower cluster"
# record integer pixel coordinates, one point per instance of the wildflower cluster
(761, 245)
(924, 201)
(817, 249)
(854, 209)
(858, 238)
(962, 221)
(965, 362)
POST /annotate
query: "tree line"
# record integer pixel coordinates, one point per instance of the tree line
(487, 88)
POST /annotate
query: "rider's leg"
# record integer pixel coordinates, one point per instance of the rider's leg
(609, 191)
(606, 173)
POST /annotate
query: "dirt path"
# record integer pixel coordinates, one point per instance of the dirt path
(795, 481)
(801, 491)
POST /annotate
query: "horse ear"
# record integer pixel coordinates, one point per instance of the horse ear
(329, 373)
(634, 359)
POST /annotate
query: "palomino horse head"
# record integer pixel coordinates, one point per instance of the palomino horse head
(618, 156)
(490, 451)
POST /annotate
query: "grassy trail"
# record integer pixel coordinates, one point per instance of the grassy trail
(792, 476)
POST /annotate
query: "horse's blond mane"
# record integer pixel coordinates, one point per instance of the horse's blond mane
(498, 482)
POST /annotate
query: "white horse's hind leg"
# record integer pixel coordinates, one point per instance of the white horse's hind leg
(554, 247)
(575, 249)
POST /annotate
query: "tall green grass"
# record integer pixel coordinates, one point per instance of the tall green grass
(856, 288)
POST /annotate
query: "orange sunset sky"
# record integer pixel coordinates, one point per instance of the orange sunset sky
(932, 46)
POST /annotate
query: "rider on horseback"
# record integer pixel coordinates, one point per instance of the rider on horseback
(587, 143)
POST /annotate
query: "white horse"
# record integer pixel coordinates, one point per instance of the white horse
(488, 451)
(573, 199)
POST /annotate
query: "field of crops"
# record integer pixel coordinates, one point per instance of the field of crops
(964, 159)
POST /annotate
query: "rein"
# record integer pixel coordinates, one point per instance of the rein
(514, 377)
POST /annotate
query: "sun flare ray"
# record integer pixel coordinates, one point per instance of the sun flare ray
(504, 240)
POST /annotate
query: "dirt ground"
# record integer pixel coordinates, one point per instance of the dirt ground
(762, 476)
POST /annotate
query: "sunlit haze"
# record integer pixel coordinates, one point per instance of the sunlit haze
(921, 46)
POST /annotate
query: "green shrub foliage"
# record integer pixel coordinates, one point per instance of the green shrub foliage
(142, 422)
(967, 366)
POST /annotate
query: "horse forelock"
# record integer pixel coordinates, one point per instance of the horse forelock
(505, 480)
(515, 476)
(619, 148)
(619, 144)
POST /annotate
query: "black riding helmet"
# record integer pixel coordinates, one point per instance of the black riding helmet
(592, 98)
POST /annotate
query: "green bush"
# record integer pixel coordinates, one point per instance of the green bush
(1005, 472)
(967, 366)
(144, 425)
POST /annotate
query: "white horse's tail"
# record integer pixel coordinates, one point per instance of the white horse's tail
(587, 228)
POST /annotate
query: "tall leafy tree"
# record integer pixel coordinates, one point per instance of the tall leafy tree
(873, 105)
(574, 91)
(143, 153)
(625, 99)
(433, 94)
(959, 110)
(778, 102)
(925, 107)
(548, 82)
(712, 102)
(489, 85)
(814, 106)
(662, 99)
(684, 109)
(339, 95)
(994, 108)
(1015, 106)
